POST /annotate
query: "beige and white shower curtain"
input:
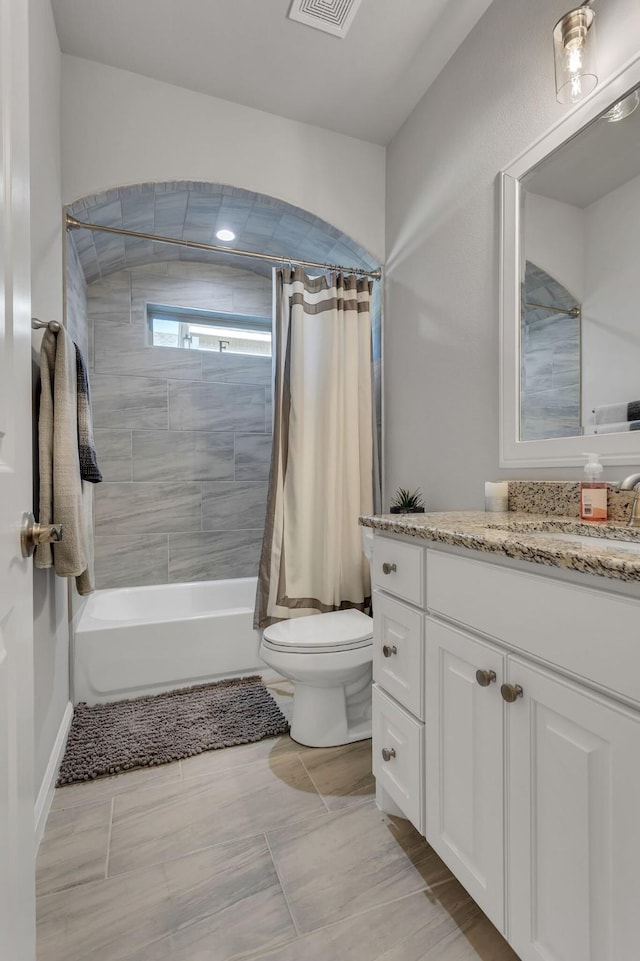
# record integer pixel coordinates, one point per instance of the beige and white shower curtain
(322, 465)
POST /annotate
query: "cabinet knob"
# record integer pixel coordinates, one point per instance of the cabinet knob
(388, 754)
(511, 692)
(389, 568)
(485, 678)
(388, 651)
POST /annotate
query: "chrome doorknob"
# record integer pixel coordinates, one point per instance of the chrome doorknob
(32, 534)
(388, 651)
(387, 753)
(485, 678)
(389, 568)
(511, 692)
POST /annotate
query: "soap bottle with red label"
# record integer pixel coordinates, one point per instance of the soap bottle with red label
(593, 491)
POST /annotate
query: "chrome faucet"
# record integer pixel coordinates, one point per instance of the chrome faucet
(632, 483)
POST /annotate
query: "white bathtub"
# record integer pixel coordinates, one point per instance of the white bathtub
(143, 640)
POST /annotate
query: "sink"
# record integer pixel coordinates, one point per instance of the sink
(586, 540)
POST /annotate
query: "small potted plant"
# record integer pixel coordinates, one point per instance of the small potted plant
(405, 501)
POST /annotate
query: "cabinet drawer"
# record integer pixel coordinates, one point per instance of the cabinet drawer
(589, 633)
(399, 568)
(402, 739)
(398, 651)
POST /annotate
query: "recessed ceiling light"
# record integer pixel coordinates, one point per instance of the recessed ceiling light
(226, 235)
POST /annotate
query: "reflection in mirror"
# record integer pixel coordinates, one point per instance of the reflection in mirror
(549, 358)
(581, 247)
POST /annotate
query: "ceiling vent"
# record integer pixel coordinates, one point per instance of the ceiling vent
(331, 16)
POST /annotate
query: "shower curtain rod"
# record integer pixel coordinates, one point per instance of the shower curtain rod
(74, 224)
(572, 312)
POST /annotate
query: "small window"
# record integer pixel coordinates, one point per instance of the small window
(209, 330)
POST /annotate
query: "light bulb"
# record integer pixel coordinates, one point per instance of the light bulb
(225, 235)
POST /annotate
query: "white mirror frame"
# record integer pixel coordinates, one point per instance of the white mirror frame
(621, 448)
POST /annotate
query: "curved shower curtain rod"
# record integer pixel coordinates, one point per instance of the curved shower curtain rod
(73, 224)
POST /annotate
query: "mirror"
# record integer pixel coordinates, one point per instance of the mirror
(570, 298)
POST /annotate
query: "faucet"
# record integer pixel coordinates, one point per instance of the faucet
(632, 483)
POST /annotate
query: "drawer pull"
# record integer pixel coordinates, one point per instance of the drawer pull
(388, 651)
(511, 692)
(389, 568)
(388, 754)
(485, 678)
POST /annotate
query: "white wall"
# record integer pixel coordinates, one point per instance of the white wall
(51, 635)
(492, 100)
(611, 331)
(554, 239)
(120, 128)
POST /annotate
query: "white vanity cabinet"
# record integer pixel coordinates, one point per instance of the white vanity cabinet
(531, 768)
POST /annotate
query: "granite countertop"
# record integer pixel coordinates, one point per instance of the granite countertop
(522, 535)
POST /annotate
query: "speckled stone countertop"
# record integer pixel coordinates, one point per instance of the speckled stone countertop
(522, 535)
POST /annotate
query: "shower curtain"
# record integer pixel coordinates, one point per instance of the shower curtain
(322, 463)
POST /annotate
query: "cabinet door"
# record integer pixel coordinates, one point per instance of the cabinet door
(398, 751)
(574, 822)
(465, 762)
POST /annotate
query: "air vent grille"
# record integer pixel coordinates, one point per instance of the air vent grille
(331, 16)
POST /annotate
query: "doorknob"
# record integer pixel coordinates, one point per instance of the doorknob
(32, 534)
(485, 678)
(388, 651)
(388, 754)
(389, 568)
(511, 692)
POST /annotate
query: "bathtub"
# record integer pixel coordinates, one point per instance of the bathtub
(144, 640)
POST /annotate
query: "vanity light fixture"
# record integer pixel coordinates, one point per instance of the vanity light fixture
(575, 55)
(225, 235)
(623, 108)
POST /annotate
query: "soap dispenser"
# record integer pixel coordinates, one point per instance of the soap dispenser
(593, 491)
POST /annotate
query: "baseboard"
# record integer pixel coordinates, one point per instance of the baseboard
(45, 794)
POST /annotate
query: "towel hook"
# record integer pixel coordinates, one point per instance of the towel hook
(52, 325)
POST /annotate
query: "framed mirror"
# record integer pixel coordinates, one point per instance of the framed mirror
(570, 286)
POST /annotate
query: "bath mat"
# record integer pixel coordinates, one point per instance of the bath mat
(116, 737)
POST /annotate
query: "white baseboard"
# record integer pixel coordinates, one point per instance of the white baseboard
(45, 794)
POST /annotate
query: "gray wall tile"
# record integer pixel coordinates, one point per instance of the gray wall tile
(147, 508)
(110, 298)
(113, 449)
(234, 506)
(182, 455)
(215, 407)
(214, 555)
(121, 349)
(129, 402)
(253, 456)
(236, 368)
(130, 560)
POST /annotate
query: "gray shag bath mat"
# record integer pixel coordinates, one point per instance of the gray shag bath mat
(111, 738)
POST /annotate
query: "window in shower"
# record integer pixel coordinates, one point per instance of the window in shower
(193, 329)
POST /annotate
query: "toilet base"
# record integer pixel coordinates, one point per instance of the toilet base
(330, 716)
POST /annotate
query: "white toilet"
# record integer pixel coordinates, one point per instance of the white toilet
(329, 658)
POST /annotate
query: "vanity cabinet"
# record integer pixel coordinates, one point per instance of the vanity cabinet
(530, 776)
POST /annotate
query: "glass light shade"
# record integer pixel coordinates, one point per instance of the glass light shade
(623, 108)
(574, 45)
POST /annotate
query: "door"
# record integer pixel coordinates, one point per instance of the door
(574, 829)
(17, 928)
(465, 761)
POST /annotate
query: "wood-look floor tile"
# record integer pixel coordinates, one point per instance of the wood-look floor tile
(345, 863)
(404, 930)
(156, 824)
(178, 910)
(476, 940)
(103, 788)
(342, 775)
(74, 847)
(211, 761)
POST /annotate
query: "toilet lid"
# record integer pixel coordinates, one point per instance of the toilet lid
(335, 631)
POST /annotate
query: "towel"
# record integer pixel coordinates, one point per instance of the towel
(61, 489)
(615, 413)
(89, 469)
(617, 428)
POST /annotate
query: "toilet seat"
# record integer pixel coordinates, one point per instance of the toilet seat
(321, 633)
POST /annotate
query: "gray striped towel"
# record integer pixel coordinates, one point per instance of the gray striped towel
(89, 469)
(615, 413)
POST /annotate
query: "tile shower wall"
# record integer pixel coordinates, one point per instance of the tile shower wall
(183, 437)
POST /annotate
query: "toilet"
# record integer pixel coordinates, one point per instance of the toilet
(329, 659)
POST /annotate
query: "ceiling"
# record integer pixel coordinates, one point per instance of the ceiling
(248, 52)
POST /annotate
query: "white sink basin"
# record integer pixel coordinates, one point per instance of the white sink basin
(586, 540)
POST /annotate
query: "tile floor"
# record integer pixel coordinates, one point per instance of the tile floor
(268, 851)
